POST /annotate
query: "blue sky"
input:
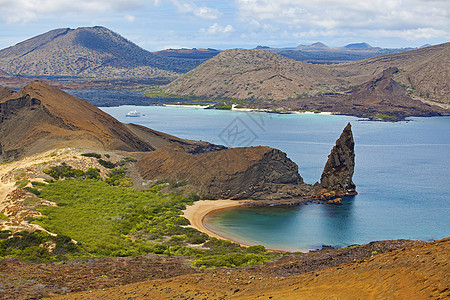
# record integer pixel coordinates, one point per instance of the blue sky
(162, 24)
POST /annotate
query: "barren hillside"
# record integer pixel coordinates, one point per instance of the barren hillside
(263, 75)
(88, 52)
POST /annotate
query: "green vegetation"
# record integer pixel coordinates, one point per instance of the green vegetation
(386, 117)
(91, 154)
(117, 178)
(110, 220)
(106, 163)
(34, 246)
(21, 183)
(223, 106)
(3, 217)
(107, 218)
(63, 171)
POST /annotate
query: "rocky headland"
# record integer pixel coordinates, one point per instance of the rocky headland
(259, 173)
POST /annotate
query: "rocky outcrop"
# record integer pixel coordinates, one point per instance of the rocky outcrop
(336, 179)
(237, 173)
(260, 173)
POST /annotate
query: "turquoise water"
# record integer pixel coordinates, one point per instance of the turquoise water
(401, 174)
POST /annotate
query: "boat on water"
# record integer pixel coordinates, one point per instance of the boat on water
(133, 113)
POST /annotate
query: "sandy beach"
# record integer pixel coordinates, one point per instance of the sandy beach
(197, 212)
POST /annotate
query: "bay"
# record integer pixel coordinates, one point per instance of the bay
(400, 175)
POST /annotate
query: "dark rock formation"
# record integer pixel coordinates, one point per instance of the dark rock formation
(237, 173)
(338, 172)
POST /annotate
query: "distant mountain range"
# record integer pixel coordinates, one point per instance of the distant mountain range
(318, 53)
(88, 52)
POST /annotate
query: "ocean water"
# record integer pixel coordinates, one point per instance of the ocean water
(401, 174)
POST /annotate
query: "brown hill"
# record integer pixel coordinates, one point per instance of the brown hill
(262, 75)
(87, 52)
(41, 117)
(238, 173)
(253, 74)
(381, 97)
(426, 71)
(418, 272)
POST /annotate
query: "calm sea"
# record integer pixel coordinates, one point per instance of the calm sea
(401, 174)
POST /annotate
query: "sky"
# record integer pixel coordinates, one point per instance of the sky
(223, 24)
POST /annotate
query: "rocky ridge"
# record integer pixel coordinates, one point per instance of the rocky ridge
(41, 117)
(379, 98)
(417, 271)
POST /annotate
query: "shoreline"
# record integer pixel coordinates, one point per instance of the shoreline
(197, 212)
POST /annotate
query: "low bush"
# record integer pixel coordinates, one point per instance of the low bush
(91, 154)
(106, 163)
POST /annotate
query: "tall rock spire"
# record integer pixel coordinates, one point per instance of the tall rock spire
(338, 172)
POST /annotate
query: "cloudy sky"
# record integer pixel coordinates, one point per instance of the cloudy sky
(223, 24)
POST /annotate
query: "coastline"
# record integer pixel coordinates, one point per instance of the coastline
(197, 212)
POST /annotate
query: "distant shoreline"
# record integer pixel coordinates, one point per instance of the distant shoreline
(244, 109)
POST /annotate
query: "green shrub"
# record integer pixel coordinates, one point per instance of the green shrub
(63, 171)
(102, 219)
(32, 190)
(129, 159)
(256, 249)
(178, 184)
(194, 197)
(91, 154)
(21, 183)
(93, 173)
(106, 163)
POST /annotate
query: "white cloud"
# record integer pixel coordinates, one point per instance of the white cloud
(217, 29)
(28, 10)
(199, 11)
(419, 18)
(129, 18)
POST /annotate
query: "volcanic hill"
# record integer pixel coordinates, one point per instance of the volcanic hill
(258, 75)
(88, 52)
(252, 74)
(379, 98)
(41, 117)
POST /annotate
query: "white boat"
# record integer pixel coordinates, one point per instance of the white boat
(133, 113)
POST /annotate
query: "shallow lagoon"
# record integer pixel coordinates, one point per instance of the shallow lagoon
(401, 174)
